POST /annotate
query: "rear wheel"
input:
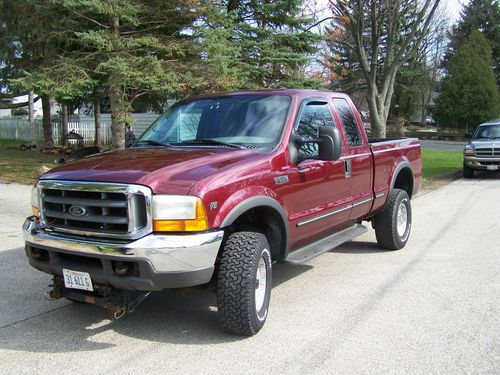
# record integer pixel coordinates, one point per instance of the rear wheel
(244, 283)
(393, 224)
(468, 172)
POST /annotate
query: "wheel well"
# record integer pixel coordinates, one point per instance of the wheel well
(404, 181)
(267, 221)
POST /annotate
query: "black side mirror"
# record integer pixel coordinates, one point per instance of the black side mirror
(329, 145)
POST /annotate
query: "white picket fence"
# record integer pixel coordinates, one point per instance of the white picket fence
(19, 128)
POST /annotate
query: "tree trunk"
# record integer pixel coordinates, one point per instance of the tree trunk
(118, 117)
(31, 108)
(116, 94)
(376, 119)
(64, 121)
(97, 120)
(46, 122)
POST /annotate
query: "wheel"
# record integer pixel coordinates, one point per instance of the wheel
(244, 283)
(468, 172)
(393, 224)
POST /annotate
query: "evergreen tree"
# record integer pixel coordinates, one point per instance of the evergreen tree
(483, 15)
(26, 45)
(273, 40)
(469, 94)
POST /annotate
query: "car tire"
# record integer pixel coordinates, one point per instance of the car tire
(244, 283)
(468, 172)
(393, 224)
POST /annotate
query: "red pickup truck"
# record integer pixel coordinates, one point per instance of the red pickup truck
(219, 189)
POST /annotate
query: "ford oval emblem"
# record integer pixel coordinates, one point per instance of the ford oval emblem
(78, 210)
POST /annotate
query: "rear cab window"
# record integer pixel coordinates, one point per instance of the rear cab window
(353, 135)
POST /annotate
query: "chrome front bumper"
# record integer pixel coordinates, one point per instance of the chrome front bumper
(482, 163)
(165, 254)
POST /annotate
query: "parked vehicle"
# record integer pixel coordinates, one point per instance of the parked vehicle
(219, 189)
(483, 150)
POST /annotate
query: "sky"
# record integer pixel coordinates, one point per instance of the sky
(454, 7)
(451, 8)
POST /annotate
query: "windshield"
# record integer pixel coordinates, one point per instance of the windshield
(487, 132)
(235, 121)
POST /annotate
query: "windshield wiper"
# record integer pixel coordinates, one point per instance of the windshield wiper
(209, 141)
(151, 142)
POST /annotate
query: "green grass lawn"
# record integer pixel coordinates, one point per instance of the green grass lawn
(21, 166)
(440, 164)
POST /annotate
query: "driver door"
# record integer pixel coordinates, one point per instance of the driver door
(318, 197)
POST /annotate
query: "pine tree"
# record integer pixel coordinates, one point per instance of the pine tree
(469, 94)
(483, 15)
(274, 41)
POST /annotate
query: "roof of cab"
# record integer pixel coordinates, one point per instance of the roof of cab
(291, 92)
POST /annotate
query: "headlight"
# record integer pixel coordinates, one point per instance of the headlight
(468, 151)
(35, 201)
(178, 213)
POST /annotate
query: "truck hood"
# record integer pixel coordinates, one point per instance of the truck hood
(165, 171)
(485, 142)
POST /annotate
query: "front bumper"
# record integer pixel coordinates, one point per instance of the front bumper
(482, 163)
(155, 262)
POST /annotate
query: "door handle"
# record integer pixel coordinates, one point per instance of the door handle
(348, 168)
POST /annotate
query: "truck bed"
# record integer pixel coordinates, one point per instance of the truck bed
(389, 153)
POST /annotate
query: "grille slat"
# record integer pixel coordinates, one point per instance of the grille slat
(90, 218)
(85, 202)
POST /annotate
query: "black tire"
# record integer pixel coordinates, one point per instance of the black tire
(237, 284)
(386, 222)
(468, 172)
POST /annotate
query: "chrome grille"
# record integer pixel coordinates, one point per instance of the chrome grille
(96, 209)
(486, 152)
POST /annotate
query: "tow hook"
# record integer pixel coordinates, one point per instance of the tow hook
(117, 302)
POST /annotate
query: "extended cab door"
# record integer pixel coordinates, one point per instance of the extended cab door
(357, 157)
(318, 192)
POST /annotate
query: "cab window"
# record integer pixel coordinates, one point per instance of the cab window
(349, 121)
(314, 115)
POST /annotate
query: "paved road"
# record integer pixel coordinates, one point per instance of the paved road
(432, 307)
(443, 145)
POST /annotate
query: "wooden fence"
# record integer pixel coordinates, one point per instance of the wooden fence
(19, 129)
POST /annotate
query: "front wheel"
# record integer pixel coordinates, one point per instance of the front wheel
(393, 224)
(468, 172)
(244, 283)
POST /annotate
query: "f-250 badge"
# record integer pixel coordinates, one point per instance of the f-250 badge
(280, 180)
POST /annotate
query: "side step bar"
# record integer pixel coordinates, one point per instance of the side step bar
(326, 244)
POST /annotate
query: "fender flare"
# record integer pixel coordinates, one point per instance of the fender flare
(258, 201)
(402, 165)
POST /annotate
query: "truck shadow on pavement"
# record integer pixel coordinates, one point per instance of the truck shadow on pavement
(359, 247)
(485, 175)
(183, 316)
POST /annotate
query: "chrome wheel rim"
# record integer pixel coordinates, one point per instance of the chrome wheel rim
(260, 284)
(402, 219)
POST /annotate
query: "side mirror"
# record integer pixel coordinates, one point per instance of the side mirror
(329, 145)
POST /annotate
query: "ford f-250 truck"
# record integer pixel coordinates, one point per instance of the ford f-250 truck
(219, 189)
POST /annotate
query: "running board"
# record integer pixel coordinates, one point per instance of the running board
(326, 244)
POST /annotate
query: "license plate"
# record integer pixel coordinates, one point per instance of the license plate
(77, 280)
(492, 167)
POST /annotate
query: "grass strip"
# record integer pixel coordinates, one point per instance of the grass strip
(21, 166)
